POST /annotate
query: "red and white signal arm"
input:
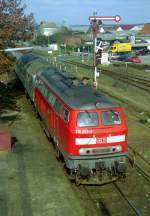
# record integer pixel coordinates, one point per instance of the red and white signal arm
(116, 18)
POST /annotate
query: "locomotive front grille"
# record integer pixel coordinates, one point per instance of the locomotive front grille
(104, 150)
(100, 150)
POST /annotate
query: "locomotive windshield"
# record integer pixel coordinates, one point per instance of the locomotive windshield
(87, 119)
(110, 118)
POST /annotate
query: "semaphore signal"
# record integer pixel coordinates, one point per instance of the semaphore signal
(96, 22)
(116, 18)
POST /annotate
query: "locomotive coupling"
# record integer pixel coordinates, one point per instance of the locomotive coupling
(84, 171)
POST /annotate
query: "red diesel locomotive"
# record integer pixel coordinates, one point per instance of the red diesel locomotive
(89, 130)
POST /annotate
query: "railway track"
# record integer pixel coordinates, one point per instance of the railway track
(141, 164)
(118, 196)
(107, 205)
(121, 195)
(134, 209)
(113, 198)
(137, 81)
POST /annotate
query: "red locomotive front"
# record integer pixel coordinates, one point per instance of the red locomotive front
(97, 132)
(97, 139)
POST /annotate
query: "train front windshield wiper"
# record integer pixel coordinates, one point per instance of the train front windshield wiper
(115, 113)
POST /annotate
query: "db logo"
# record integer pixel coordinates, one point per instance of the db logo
(101, 140)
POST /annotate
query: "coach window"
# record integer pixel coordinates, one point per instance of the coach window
(65, 115)
(40, 85)
(42, 89)
(87, 119)
(57, 106)
(45, 92)
(50, 96)
(53, 100)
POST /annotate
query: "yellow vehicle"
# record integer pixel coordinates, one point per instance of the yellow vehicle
(121, 47)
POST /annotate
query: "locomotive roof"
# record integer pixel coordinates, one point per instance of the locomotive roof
(28, 58)
(32, 63)
(76, 96)
(35, 66)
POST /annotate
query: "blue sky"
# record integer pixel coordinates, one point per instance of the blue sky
(78, 11)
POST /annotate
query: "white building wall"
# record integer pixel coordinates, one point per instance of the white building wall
(49, 31)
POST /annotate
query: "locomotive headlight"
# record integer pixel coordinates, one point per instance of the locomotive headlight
(84, 151)
(81, 151)
(119, 148)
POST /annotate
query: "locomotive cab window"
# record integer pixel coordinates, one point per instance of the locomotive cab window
(110, 118)
(87, 119)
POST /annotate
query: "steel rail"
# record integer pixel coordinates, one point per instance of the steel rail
(129, 77)
(140, 78)
(142, 172)
(136, 81)
(138, 167)
(89, 194)
(135, 152)
(136, 211)
(127, 80)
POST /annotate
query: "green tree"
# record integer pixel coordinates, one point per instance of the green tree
(14, 26)
(41, 39)
(59, 37)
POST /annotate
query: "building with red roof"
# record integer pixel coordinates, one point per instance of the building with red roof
(125, 27)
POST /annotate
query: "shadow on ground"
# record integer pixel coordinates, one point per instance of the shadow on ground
(8, 94)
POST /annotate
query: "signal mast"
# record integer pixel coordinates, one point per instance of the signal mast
(96, 23)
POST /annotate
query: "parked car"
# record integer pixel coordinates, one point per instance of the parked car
(114, 56)
(134, 59)
(123, 57)
(126, 57)
(129, 58)
(141, 52)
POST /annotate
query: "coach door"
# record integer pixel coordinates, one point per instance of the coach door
(64, 126)
(50, 112)
(57, 108)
